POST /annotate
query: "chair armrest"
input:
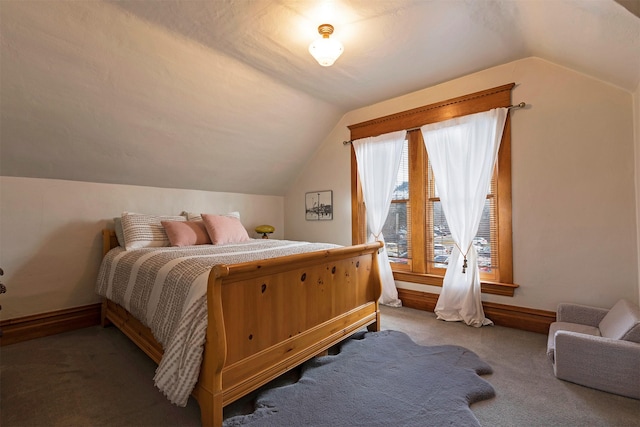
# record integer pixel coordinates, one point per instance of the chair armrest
(581, 314)
(601, 363)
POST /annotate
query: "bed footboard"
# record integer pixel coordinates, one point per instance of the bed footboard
(269, 316)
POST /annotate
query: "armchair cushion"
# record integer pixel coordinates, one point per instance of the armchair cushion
(622, 322)
(570, 327)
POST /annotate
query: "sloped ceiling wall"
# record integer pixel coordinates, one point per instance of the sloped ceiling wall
(92, 93)
(223, 95)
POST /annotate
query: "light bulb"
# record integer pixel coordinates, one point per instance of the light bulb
(326, 50)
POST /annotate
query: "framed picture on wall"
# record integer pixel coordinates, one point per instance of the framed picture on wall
(318, 205)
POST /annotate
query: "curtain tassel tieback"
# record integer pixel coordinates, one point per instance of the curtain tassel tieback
(464, 264)
(377, 237)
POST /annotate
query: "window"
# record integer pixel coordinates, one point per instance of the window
(416, 230)
(437, 237)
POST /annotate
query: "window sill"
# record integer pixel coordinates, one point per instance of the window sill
(495, 288)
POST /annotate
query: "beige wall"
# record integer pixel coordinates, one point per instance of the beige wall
(574, 195)
(574, 210)
(50, 242)
(636, 113)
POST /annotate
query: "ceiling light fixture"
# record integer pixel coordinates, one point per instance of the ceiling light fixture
(324, 49)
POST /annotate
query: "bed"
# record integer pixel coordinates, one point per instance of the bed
(265, 317)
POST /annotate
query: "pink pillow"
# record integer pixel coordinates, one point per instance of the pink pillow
(186, 233)
(224, 229)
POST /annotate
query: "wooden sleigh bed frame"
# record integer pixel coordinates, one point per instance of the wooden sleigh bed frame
(267, 317)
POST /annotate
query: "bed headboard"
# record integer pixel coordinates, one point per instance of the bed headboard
(109, 241)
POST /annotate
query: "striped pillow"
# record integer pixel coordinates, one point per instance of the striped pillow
(145, 231)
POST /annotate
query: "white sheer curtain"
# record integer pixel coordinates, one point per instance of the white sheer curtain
(378, 163)
(463, 152)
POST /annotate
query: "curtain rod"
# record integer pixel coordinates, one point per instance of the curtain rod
(510, 107)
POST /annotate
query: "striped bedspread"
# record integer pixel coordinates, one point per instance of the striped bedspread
(166, 289)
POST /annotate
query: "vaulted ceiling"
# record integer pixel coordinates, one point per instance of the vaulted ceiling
(224, 96)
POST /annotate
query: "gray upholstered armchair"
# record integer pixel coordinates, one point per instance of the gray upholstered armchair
(597, 348)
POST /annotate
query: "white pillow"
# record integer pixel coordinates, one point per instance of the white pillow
(117, 223)
(198, 217)
(145, 231)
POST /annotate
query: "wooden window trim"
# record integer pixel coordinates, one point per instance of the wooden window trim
(410, 119)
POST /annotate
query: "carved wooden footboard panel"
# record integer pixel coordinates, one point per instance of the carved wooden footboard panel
(266, 317)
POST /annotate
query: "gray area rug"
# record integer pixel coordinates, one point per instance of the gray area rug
(378, 379)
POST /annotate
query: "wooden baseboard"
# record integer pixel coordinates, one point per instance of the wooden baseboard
(45, 324)
(421, 300)
(527, 319)
(55, 322)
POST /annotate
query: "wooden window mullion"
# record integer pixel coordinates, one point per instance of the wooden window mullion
(417, 162)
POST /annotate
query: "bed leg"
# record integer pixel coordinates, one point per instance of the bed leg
(103, 314)
(211, 412)
(375, 326)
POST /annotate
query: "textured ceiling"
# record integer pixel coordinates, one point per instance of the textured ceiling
(417, 43)
(223, 95)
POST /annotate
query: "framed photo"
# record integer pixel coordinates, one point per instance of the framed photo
(318, 205)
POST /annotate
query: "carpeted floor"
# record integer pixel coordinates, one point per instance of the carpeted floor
(97, 377)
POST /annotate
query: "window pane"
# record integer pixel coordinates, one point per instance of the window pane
(486, 237)
(401, 190)
(396, 233)
(443, 242)
(396, 230)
